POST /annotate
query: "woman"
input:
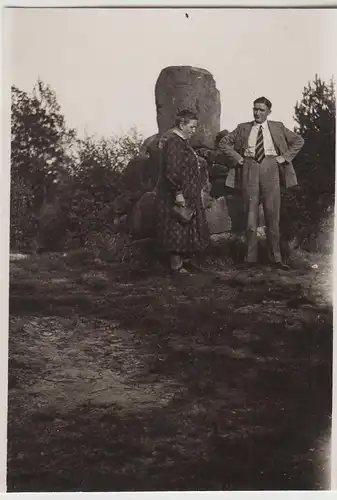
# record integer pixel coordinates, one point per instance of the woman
(180, 183)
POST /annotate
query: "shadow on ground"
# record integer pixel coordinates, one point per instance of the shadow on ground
(132, 380)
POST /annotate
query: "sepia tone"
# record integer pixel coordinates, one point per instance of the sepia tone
(126, 376)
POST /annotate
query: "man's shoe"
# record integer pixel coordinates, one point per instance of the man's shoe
(180, 270)
(281, 265)
(192, 266)
(248, 265)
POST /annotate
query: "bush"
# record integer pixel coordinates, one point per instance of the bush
(41, 154)
(62, 188)
(91, 191)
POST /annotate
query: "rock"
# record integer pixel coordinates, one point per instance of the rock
(148, 144)
(143, 217)
(262, 232)
(137, 176)
(220, 136)
(218, 217)
(186, 87)
(225, 214)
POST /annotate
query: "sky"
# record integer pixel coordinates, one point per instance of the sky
(104, 63)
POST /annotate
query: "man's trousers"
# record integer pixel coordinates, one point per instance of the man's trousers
(261, 182)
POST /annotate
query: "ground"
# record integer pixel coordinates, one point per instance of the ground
(129, 379)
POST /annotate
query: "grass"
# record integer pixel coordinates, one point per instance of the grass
(126, 379)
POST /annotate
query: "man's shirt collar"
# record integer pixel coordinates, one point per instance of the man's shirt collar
(264, 124)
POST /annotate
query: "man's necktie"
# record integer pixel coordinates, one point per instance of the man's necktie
(259, 148)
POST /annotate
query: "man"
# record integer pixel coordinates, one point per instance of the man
(262, 152)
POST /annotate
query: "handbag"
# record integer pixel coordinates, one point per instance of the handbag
(184, 215)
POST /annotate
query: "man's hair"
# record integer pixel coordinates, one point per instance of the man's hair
(185, 116)
(263, 100)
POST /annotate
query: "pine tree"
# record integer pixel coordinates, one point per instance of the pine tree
(315, 116)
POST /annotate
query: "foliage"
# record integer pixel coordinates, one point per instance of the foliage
(61, 186)
(41, 149)
(41, 142)
(93, 186)
(315, 116)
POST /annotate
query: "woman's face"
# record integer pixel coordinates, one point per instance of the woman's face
(189, 129)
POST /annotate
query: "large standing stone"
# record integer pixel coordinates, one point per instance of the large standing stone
(186, 87)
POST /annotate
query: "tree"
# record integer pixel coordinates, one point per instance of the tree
(59, 182)
(41, 142)
(41, 154)
(315, 116)
(311, 208)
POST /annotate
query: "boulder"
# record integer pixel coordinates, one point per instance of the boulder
(225, 214)
(186, 87)
(143, 217)
(148, 144)
(136, 176)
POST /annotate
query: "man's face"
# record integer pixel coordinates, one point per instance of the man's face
(261, 112)
(189, 129)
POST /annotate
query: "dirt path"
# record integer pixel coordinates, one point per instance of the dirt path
(124, 380)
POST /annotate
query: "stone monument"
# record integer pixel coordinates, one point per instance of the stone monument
(187, 87)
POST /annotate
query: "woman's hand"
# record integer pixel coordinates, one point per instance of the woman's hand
(203, 152)
(180, 200)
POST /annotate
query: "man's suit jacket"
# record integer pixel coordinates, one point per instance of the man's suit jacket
(286, 143)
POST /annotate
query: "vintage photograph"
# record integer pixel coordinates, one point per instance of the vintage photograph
(172, 177)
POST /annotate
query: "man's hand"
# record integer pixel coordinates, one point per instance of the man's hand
(280, 160)
(180, 200)
(240, 162)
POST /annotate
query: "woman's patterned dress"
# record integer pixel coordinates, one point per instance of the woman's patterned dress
(180, 172)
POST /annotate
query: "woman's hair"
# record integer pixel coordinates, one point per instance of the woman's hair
(263, 100)
(185, 116)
